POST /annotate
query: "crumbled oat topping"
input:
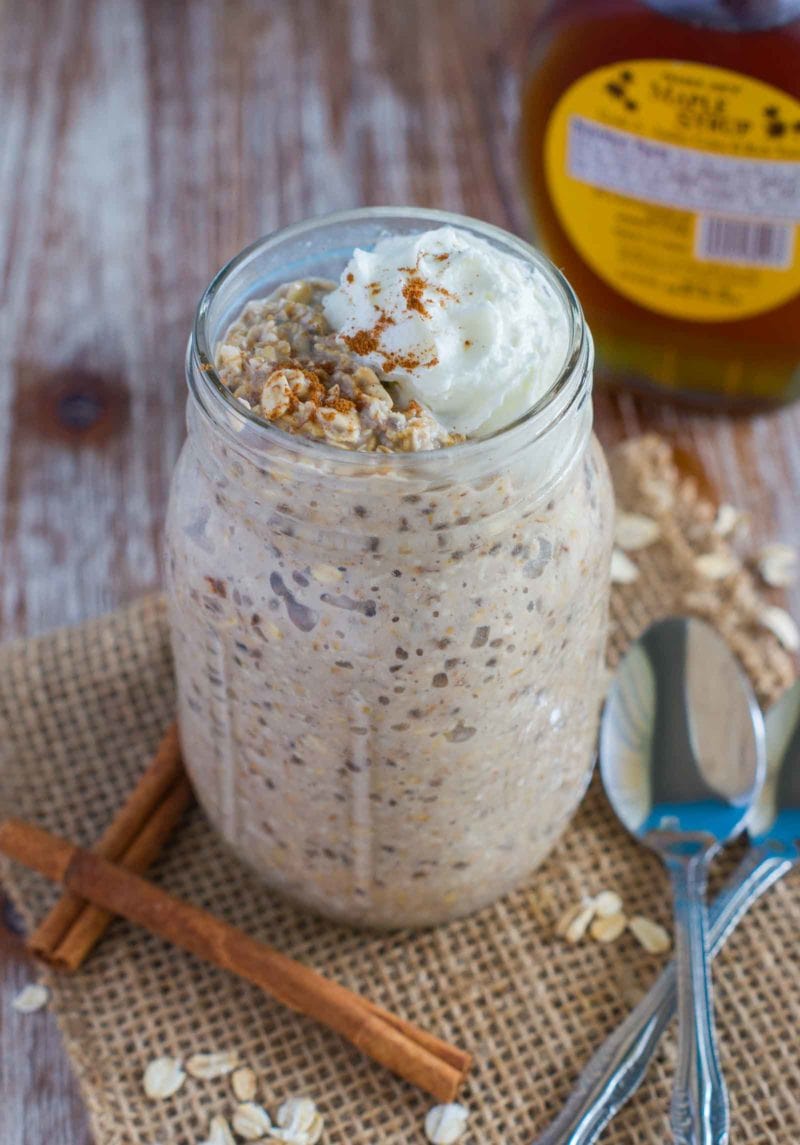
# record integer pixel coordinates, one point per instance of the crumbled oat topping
(281, 359)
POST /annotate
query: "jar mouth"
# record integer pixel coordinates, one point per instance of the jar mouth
(572, 382)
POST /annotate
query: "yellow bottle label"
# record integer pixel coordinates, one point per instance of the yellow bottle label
(679, 184)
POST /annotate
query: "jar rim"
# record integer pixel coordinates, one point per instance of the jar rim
(223, 408)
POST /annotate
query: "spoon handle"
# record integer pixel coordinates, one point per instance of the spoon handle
(699, 1109)
(617, 1068)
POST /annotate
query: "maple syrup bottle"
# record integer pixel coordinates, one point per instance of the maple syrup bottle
(661, 157)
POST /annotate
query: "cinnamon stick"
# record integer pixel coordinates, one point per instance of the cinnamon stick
(93, 921)
(396, 1044)
(459, 1059)
(52, 940)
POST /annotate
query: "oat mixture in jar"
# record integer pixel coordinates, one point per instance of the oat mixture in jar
(389, 613)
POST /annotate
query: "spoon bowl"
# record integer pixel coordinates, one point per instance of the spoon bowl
(682, 738)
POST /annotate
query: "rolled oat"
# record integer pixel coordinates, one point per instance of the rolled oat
(633, 531)
(651, 935)
(446, 1124)
(163, 1077)
(778, 565)
(608, 928)
(727, 520)
(579, 924)
(208, 1067)
(219, 1132)
(300, 1121)
(244, 1084)
(607, 903)
(782, 626)
(717, 566)
(251, 1121)
(31, 998)
(623, 570)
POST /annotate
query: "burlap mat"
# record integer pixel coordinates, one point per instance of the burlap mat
(82, 709)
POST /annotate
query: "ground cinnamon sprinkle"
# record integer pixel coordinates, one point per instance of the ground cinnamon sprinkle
(416, 285)
(343, 405)
(406, 362)
(365, 342)
(414, 293)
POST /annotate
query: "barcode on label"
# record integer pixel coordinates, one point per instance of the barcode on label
(744, 242)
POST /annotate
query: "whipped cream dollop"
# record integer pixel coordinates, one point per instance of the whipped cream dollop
(471, 332)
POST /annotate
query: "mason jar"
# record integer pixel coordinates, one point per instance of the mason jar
(388, 665)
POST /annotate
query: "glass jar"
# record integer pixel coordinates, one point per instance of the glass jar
(660, 150)
(389, 665)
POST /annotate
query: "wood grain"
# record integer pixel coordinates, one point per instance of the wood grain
(141, 145)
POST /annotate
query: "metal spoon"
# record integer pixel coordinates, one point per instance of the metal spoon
(682, 760)
(617, 1068)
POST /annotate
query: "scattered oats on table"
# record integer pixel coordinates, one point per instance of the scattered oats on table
(623, 570)
(727, 520)
(608, 928)
(604, 919)
(300, 1121)
(660, 492)
(778, 564)
(208, 1067)
(574, 923)
(782, 626)
(31, 998)
(717, 566)
(244, 1084)
(607, 903)
(651, 935)
(445, 1124)
(163, 1077)
(633, 531)
(251, 1121)
(219, 1132)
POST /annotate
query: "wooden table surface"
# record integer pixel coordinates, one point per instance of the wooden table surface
(141, 145)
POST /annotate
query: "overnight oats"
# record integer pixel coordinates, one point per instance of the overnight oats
(388, 557)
